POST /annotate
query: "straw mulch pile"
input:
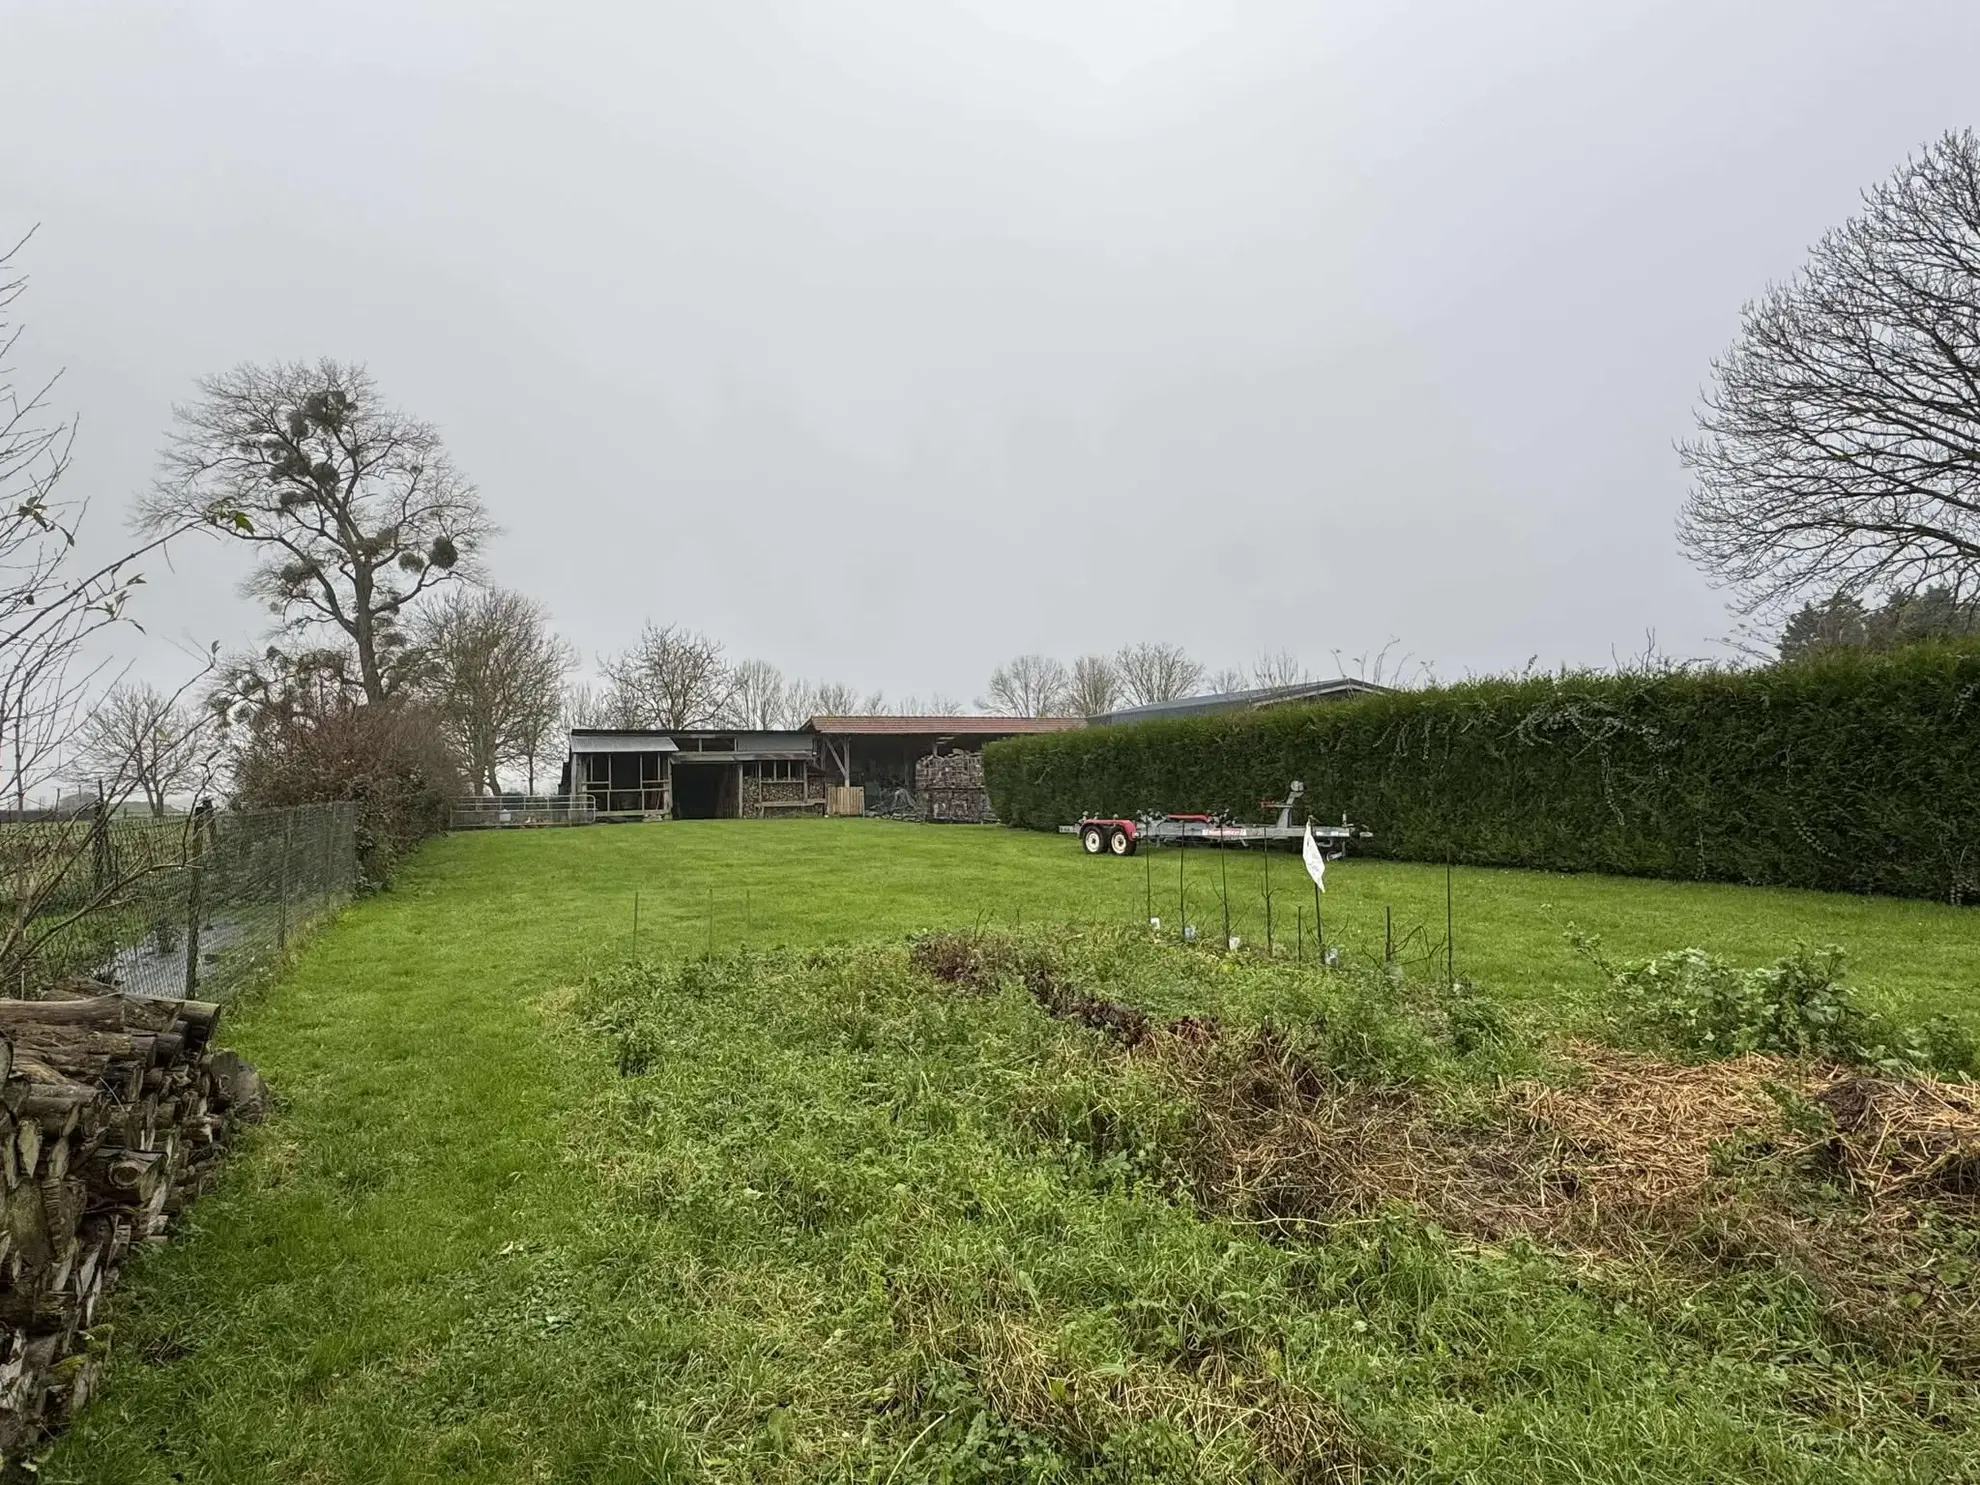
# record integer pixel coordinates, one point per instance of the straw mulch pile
(1865, 1187)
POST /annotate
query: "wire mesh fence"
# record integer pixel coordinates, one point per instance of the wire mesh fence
(198, 904)
(521, 811)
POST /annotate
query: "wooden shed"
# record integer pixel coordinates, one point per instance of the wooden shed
(695, 773)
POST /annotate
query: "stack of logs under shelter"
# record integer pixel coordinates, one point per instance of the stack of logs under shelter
(949, 789)
(115, 1114)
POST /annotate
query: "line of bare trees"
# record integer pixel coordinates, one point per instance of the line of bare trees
(1148, 673)
(1135, 675)
(675, 677)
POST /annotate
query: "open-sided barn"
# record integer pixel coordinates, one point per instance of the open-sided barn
(723, 773)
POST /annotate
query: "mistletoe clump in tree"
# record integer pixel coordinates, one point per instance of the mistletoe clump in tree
(355, 506)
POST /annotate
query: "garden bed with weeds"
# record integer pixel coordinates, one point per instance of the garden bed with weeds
(1090, 1205)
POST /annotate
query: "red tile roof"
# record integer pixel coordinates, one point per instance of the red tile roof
(940, 726)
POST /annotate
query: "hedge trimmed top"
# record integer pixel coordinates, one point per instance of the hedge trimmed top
(1851, 772)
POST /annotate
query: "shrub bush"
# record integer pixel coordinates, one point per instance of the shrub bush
(390, 759)
(1849, 772)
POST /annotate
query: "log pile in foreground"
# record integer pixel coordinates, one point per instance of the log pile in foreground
(115, 1113)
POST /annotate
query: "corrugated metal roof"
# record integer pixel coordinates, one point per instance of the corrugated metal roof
(938, 726)
(619, 740)
(1238, 701)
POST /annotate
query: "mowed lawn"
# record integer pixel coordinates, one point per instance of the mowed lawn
(424, 1267)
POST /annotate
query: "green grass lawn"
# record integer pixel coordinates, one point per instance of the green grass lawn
(809, 881)
(468, 1249)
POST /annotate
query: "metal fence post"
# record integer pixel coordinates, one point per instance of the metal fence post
(328, 834)
(282, 912)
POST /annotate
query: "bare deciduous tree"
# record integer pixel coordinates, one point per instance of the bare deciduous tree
(810, 699)
(587, 706)
(51, 877)
(936, 705)
(139, 738)
(1839, 443)
(1225, 680)
(1156, 672)
(1279, 668)
(493, 673)
(1029, 686)
(284, 682)
(1093, 687)
(357, 506)
(670, 677)
(759, 696)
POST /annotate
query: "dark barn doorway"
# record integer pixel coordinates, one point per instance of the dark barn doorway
(705, 791)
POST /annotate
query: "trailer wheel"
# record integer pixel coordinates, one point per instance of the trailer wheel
(1092, 840)
(1120, 842)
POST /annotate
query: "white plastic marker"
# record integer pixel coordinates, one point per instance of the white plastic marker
(1316, 863)
(1316, 867)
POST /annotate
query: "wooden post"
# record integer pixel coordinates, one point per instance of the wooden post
(196, 843)
(192, 925)
(99, 841)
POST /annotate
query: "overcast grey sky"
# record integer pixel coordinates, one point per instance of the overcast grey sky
(888, 338)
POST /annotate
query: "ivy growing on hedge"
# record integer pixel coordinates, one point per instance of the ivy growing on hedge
(1850, 772)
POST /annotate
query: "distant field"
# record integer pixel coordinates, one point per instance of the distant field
(469, 1249)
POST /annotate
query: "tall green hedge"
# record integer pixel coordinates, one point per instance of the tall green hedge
(1853, 772)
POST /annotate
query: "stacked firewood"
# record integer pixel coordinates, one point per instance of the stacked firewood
(115, 1114)
(949, 789)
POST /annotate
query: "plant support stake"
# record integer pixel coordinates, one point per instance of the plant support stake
(1265, 849)
(1450, 944)
(1224, 869)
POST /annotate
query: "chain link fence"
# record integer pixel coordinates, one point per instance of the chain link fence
(199, 904)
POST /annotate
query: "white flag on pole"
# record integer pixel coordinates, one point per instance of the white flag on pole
(1316, 862)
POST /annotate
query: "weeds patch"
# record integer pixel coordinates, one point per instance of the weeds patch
(1083, 1206)
(1861, 1187)
(1692, 1002)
